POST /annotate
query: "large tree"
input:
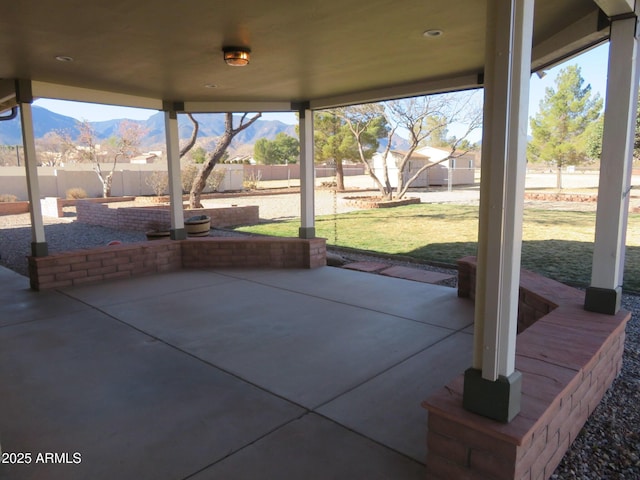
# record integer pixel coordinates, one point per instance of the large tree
(335, 142)
(120, 147)
(425, 120)
(283, 149)
(560, 128)
(214, 156)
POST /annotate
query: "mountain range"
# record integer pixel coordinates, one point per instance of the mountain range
(211, 125)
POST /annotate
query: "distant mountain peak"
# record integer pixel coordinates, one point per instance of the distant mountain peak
(211, 126)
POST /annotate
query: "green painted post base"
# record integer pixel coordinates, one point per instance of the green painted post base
(499, 400)
(39, 249)
(603, 300)
(307, 232)
(178, 234)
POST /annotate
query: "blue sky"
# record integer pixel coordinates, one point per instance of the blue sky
(593, 65)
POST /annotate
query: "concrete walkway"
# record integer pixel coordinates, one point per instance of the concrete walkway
(226, 374)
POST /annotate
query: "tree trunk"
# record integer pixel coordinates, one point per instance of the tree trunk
(212, 158)
(559, 177)
(106, 186)
(339, 176)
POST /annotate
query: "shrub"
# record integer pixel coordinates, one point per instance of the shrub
(188, 174)
(76, 193)
(213, 182)
(8, 198)
(158, 181)
(252, 180)
(215, 179)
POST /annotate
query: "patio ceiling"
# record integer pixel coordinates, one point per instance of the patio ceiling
(329, 52)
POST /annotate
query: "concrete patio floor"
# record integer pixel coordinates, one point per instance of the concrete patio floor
(226, 374)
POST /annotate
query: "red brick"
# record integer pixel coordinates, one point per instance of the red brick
(54, 270)
(576, 421)
(493, 466)
(85, 265)
(438, 467)
(579, 394)
(556, 458)
(100, 256)
(472, 438)
(45, 278)
(552, 446)
(130, 266)
(115, 261)
(91, 279)
(69, 260)
(101, 270)
(447, 448)
(71, 275)
(559, 422)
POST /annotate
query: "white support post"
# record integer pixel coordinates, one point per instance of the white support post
(604, 294)
(492, 386)
(175, 184)
(38, 242)
(307, 175)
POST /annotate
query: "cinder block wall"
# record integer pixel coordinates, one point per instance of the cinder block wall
(568, 358)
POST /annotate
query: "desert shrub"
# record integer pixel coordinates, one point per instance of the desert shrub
(251, 181)
(76, 193)
(213, 182)
(158, 181)
(8, 198)
(188, 173)
(215, 179)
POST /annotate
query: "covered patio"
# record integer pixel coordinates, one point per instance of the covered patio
(290, 369)
(230, 374)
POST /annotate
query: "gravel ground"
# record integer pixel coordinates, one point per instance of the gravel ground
(608, 446)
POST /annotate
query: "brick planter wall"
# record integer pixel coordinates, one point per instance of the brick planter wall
(568, 358)
(257, 252)
(53, 206)
(130, 260)
(14, 208)
(561, 197)
(374, 202)
(158, 216)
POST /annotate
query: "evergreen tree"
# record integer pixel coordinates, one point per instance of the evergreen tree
(333, 140)
(283, 149)
(560, 127)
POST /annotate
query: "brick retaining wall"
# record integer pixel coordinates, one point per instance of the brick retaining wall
(158, 216)
(14, 208)
(568, 358)
(130, 260)
(561, 197)
(53, 206)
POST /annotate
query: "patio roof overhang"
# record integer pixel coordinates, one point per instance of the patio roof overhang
(321, 53)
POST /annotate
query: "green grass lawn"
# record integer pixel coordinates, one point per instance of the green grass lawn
(557, 244)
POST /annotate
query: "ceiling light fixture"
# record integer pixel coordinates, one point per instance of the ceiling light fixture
(432, 33)
(64, 58)
(236, 56)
